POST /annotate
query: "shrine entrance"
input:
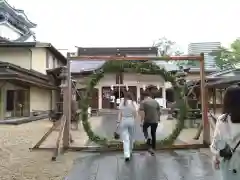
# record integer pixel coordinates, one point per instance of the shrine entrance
(112, 95)
(118, 94)
(96, 132)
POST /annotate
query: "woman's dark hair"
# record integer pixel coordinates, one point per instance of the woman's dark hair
(127, 96)
(231, 103)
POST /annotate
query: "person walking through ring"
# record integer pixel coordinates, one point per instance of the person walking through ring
(150, 112)
(127, 116)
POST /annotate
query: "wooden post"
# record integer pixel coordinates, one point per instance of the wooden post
(204, 103)
(56, 152)
(214, 101)
(54, 126)
(67, 91)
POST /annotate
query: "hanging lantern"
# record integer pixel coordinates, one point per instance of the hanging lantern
(127, 88)
(158, 87)
(144, 87)
(112, 87)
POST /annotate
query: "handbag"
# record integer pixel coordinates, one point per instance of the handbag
(116, 135)
(227, 152)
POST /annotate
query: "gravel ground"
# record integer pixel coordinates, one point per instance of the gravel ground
(18, 163)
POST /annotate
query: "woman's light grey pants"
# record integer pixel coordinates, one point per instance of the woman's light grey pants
(127, 132)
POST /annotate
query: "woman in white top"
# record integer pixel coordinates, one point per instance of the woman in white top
(127, 116)
(227, 132)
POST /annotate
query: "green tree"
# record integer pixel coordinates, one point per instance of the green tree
(167, 47)
(227, 58)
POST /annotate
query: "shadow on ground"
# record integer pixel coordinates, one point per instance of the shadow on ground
(176, 165)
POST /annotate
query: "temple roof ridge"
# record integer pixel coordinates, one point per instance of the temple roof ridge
(20, 13)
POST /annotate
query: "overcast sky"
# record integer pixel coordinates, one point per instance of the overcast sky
(132, 22)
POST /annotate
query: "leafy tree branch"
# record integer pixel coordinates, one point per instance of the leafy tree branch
(227, 58)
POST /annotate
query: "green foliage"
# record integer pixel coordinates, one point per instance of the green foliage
(227, 58)
(136, 67)
(188, 63)
(167, 47)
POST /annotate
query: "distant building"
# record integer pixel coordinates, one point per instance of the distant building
(114, 84)
(14, 24)
(206, 48)
(29, 81)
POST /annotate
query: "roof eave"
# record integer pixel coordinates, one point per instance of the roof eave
(26, 71)
(27, 21)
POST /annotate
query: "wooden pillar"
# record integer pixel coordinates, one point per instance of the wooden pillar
(214, 101)
(138, 93)
(164, 96)
(100, 97)
(67, 96)
(2, 106)
(204, 103)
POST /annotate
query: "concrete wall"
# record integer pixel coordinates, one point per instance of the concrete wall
(42, 60)
(40, 99)
(30, 58)
(39, 56)
(18, 56)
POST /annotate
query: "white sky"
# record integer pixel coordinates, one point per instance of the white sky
(71, 23)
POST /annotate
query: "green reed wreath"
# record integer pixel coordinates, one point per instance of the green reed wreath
(133, 67)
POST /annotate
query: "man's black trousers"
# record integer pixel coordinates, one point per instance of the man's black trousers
(153, 126)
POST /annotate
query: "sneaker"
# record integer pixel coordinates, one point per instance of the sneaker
(127, 159)
(151, 151)
(131, 155)
(148, 141)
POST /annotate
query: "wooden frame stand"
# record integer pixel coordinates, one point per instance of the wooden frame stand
(64, 132)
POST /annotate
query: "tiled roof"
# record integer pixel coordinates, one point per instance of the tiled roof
(3, 40)
(104, 51)
(81, 66)
(84, 66)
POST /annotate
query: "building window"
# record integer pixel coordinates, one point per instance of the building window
(54, 62)
(47, 60)
(51, 61)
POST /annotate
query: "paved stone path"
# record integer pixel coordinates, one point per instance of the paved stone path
(177, 165)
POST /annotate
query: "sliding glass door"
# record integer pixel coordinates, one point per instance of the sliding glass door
(17, 103)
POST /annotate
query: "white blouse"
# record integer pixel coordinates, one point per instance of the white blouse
(225, 131)
(129, 102)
